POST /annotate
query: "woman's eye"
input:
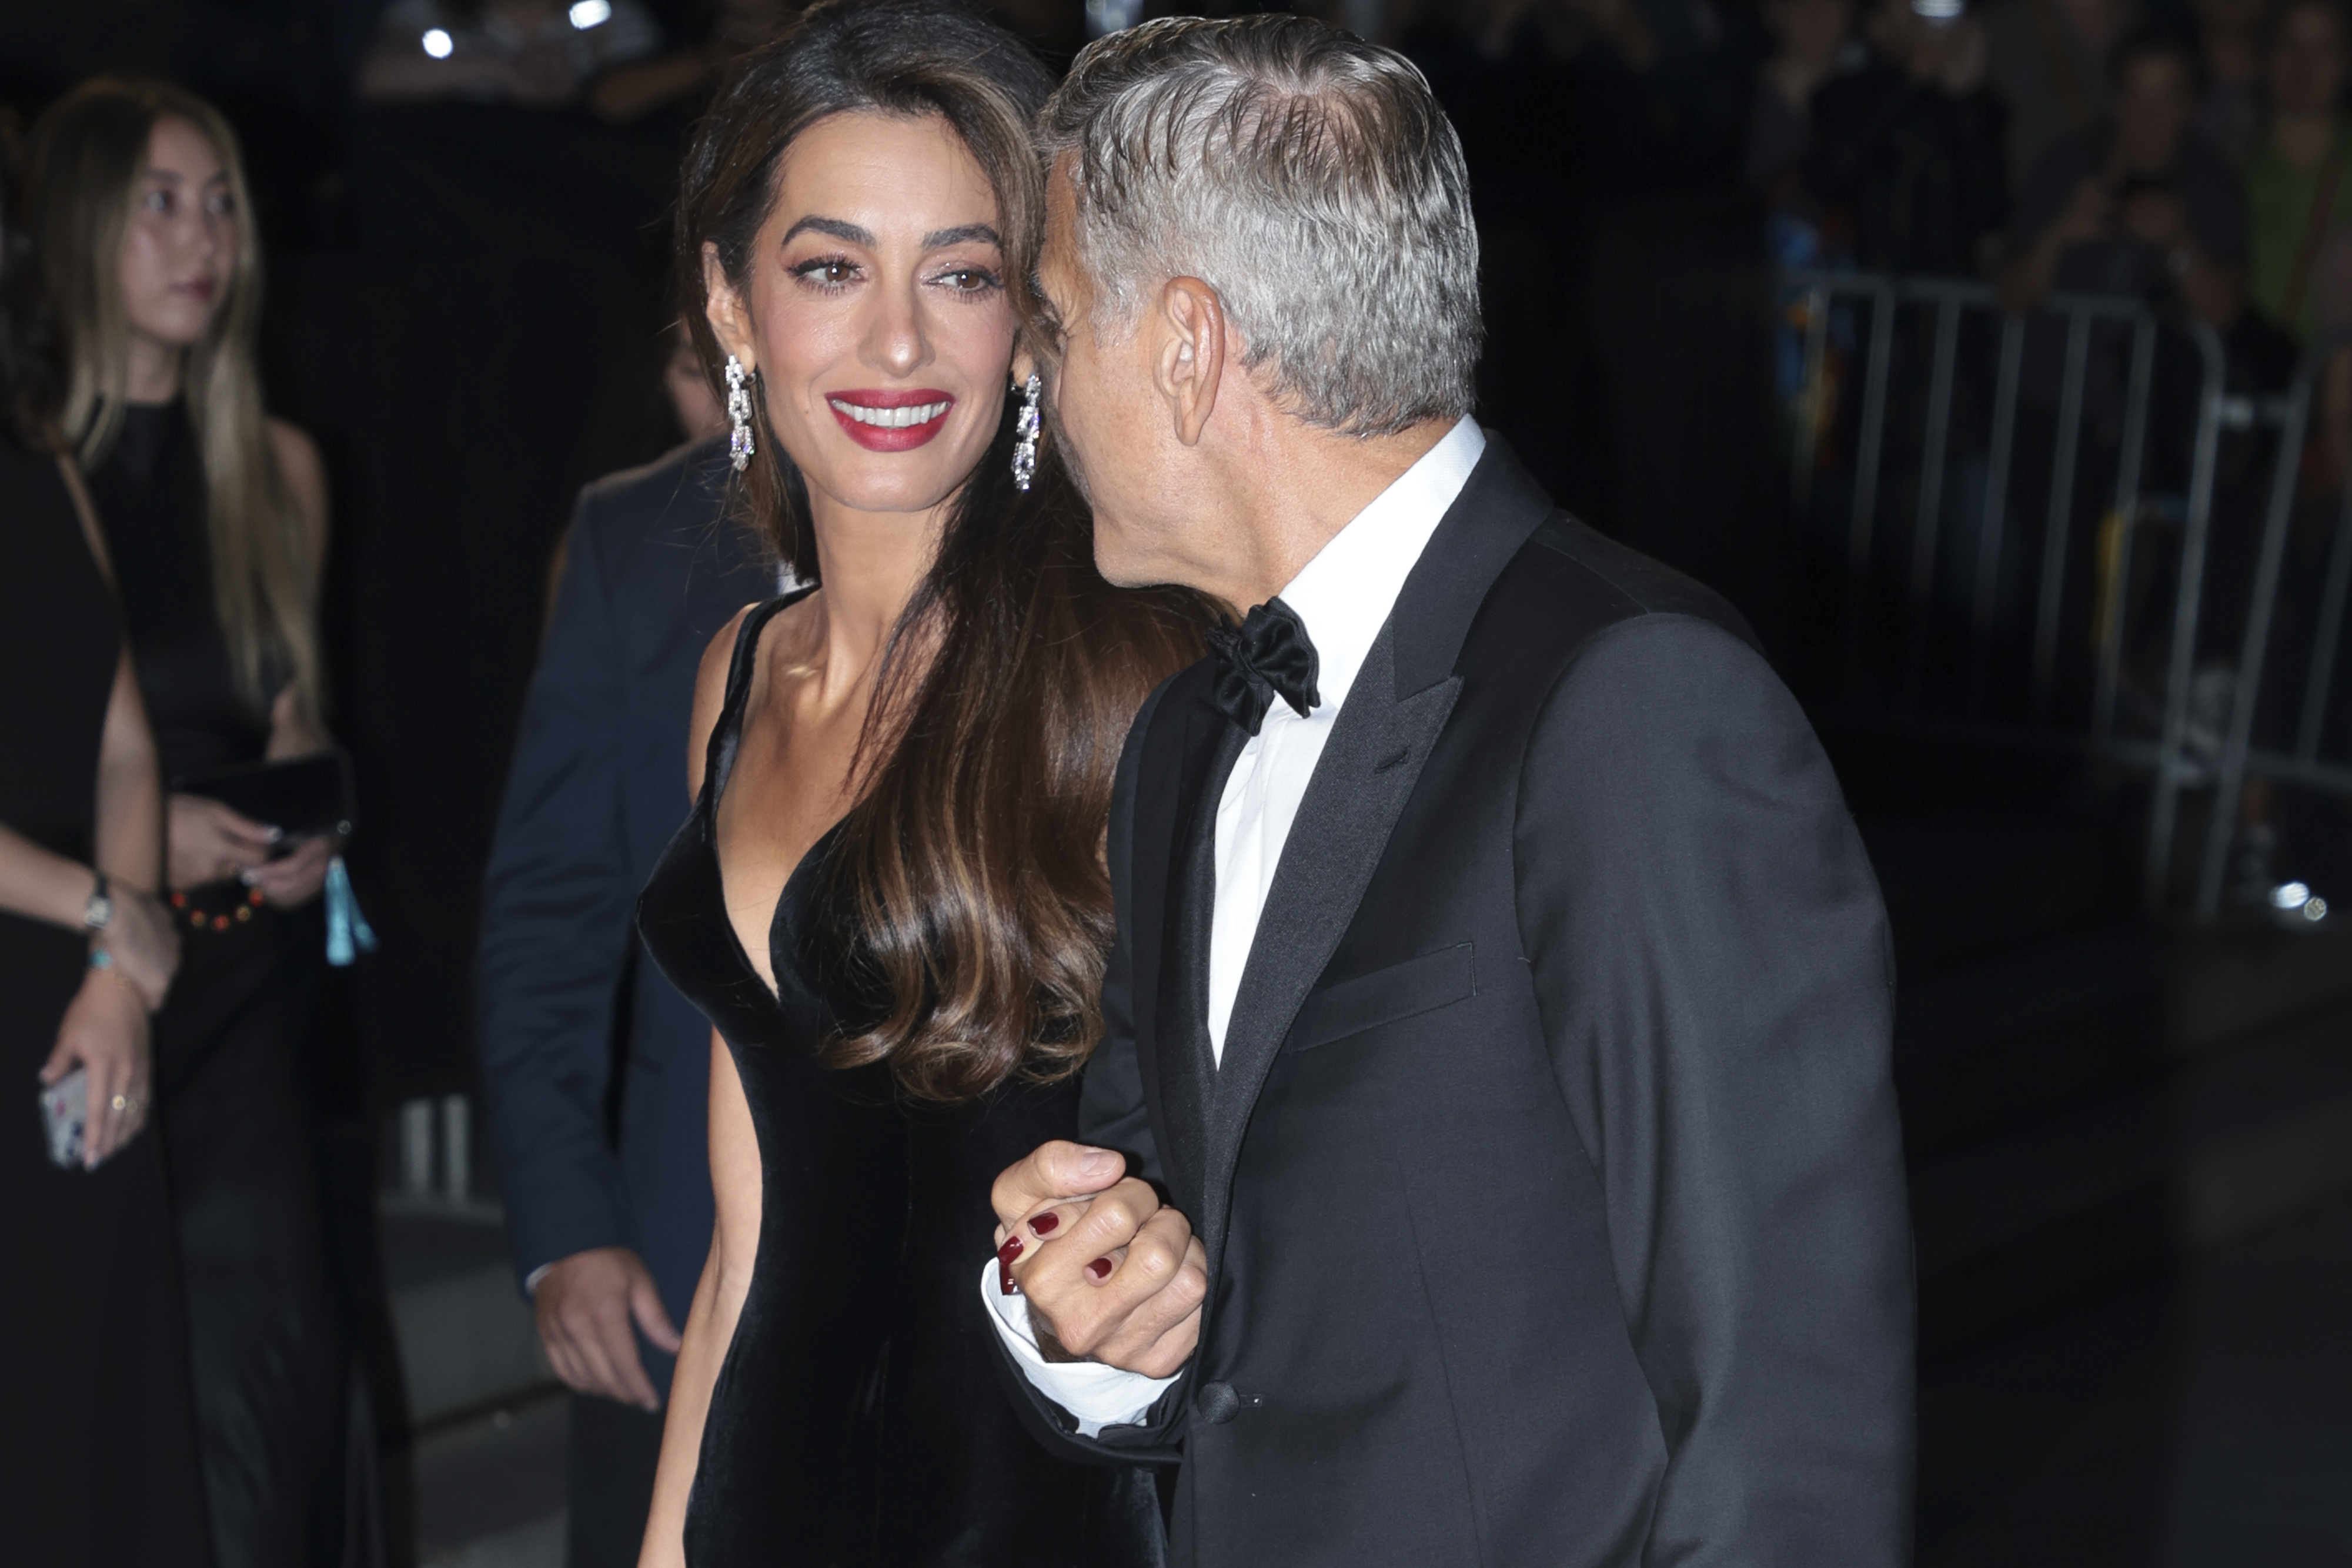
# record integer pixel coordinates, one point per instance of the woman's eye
(158, 201)
(826, 272)
(221, 206)
(968, 279)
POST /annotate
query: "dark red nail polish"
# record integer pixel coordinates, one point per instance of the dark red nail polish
(1100, 1268)
(1004, 1256)
(1046, 1223)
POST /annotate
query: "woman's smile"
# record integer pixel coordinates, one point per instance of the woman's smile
(883, 421)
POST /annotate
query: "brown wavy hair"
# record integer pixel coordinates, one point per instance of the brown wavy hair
(970, 869)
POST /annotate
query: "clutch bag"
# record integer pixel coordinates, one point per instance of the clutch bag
(303, 797)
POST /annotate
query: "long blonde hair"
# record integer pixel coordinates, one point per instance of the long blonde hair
(87, 164)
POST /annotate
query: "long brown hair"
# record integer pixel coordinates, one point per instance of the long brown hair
(88, 159)
(971, 864)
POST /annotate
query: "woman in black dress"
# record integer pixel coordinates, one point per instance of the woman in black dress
(98, 1455)
(215, 520)
(889, 895)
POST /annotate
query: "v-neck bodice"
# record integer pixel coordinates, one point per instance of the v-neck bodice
(858, 1419)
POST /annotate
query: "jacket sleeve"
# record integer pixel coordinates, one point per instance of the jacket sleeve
(1113, 1113)
(1111, 1108)
(1712, 968)
(557, 903)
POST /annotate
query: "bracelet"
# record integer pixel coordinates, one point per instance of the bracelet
(100, 959)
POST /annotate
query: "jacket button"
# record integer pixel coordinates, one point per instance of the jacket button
(1218, 1404)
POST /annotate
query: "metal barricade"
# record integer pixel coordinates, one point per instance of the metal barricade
(2307, 690)
(2095, 730)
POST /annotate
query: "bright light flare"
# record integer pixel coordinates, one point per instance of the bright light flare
(587, 14)
(438, 43)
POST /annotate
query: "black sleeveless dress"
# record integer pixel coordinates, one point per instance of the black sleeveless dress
(98, 1447)
(859, 1419)
(268, 1342)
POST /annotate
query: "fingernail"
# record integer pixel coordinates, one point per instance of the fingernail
(1097, 1162)
(1004, 1256)
(1046, 1223)
(1100, 1268)
(248, 876)
(276, 834)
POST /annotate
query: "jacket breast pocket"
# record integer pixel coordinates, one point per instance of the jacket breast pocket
(1417, 985)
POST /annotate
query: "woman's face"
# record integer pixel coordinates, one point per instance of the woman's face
(874, 309)
(181, 249)
(2307, 61)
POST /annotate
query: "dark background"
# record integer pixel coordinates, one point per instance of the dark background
(2128, 1137)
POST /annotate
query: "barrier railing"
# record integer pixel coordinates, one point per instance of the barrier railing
(2258, 675)
(1866, 309)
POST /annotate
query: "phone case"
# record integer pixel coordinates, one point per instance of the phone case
(65, 1107)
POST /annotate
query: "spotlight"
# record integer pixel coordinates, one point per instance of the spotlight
(587, 14)
(438, 43)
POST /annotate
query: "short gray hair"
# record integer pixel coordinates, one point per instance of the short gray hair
(1307, 176)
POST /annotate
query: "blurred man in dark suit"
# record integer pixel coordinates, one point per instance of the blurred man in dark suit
(608, 1204)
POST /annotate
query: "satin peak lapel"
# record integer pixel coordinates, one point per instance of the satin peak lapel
(1368, 770)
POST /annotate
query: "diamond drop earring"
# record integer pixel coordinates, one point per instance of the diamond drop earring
(1024, 445)
(739, 410)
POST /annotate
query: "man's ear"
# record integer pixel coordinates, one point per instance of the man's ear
(1191, 354)
(730, 322)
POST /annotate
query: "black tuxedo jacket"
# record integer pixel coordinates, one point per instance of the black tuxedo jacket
(1550, 1182)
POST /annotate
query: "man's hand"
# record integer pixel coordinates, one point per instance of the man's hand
(1112, 1273)
(585, 1304)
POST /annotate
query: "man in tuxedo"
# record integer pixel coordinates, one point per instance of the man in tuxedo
(609, 1218)
(1492, 1150)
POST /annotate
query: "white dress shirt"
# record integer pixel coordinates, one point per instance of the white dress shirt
(1343, 596)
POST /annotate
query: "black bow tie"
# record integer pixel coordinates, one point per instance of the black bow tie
(1271, 653)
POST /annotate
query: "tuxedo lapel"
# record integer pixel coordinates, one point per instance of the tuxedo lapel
(1386, 729)
(1368, 769)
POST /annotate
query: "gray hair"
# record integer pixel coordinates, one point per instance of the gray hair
(1308, 177)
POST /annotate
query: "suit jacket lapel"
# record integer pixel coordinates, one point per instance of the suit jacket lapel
(1368, 769)
(1385, 732)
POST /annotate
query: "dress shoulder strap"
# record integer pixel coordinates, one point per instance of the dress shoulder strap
(719, 760)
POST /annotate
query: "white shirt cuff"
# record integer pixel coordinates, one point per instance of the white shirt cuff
(1096, 1395)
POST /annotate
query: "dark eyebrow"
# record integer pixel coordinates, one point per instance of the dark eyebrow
(850, 233)
(938, 238)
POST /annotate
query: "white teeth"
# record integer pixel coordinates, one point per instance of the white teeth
(890, 418)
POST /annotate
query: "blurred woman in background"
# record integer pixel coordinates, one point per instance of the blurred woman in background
(100, 1462)
(216, 518)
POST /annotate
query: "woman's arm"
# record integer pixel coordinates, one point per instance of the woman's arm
(718, 1302)
(105, 1029)
(44, 885)
(735, 1184)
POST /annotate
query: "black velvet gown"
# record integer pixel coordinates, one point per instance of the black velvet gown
(267, 1342)
(98, 1447)
(859, 1419)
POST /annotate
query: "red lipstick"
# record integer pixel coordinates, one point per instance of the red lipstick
(883, 421)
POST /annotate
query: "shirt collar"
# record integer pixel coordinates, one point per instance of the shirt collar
(1344, 594)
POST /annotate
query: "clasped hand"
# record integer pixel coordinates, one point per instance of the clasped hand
(1112, 1273)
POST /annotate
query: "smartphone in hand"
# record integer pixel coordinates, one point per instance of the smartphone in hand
(65, 1111)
